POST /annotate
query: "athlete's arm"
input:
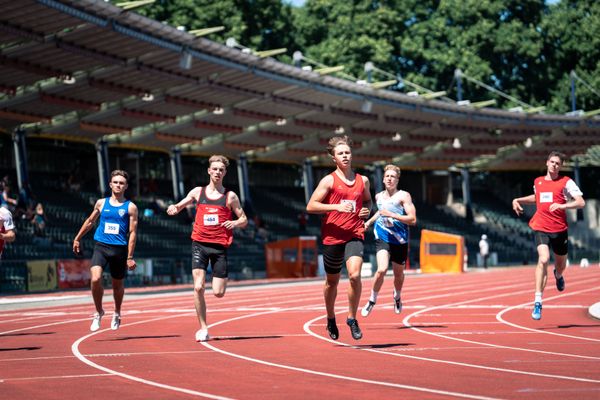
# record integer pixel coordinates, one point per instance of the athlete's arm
(315, 204)
(8, 236)
(372, 220)
(411, 213)
(87, 225)
(516, 203)
(133, 224)
(236, 207)
(577, 202)
(192, 196)
(365, 211)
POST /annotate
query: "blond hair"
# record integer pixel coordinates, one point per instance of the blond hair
(392, 168)
(337, 140)
(218, 158)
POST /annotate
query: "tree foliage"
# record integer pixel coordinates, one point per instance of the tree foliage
(525, 48)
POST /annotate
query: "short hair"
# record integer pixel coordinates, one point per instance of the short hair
(337, 140)
(556, 153)
(119, 172)
(392, 168)
(218, 158)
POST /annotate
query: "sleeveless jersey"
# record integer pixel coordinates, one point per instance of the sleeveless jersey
(6, 224)
(114, 224)
(210, 214)
(340, 227)
(388, 229)
(547, 192)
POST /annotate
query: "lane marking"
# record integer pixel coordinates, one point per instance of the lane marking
(35, 378)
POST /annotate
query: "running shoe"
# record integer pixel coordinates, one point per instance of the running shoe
(116, 321)
(397, 306)
(354, 328)
(367, 309)
(96, 321)
(537, 311)
(560, 282)
(332, 329)
(202, 335)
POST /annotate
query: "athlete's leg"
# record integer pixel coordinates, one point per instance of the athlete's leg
(398, 276)
(97, 288)
(219, 285)
(118, 293)
(541, 270)
(354, 265)
(330, 293)
(383, 261)
(199, 276)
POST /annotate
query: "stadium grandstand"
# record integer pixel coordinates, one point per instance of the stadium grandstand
(88, 87)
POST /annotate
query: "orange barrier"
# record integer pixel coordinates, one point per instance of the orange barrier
(441, 252)
(292, 258)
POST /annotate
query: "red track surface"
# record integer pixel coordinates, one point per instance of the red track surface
(459, 336)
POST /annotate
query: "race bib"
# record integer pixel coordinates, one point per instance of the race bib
(353, 202)
(111, 229)
(211, 219)
(546, 197)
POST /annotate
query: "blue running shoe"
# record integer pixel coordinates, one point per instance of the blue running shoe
(560, 282)
(537, 311)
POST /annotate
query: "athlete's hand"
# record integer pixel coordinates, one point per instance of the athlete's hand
(131, 264)
(172, 209)
(556, 206)
(228, 224)
(364, 213)
(76, 247)
(386, 213)
(517, 207)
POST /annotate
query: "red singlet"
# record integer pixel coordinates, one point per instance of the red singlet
(340, 227)
(546, 193)
(210, 214)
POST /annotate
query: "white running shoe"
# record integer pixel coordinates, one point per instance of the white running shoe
(96, 321)
(397, 306)
(116, 321)
(202, 335)
(366, 310)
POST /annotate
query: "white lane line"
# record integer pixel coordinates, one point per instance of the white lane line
(500, 318)
(82, 358)
(330, 375)
(462, 364)
(37, 378)
(408, 324)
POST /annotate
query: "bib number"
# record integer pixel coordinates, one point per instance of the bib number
(546, 197)
(111, 229)
(211, 219)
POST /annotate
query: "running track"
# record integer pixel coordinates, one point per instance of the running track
(459, 336)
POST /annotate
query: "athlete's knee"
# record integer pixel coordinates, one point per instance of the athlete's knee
(96, 280)
(543, 260)
(199, 288)
(380, 274)
(219, 293)
(354, 277)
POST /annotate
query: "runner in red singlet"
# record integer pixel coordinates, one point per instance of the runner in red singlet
(345, 200)
(212, 234)
(553, 194)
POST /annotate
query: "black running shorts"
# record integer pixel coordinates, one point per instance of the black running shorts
(112, 255)
(216, 254)
(558, 241)
(397, 251)
(335, 255)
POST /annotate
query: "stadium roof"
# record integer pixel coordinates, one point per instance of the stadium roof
(86, 70)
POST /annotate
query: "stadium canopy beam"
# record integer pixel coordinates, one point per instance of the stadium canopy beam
(308, 179)
(103, 167)
(176, 173)
(20, 150)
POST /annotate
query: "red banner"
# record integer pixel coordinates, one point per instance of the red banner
(73, 273)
